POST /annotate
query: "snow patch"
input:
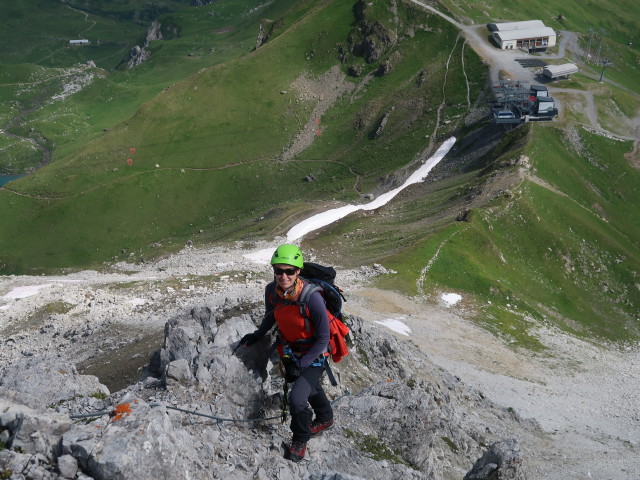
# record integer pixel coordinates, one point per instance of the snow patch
(396, 324)
(26, 291)
(330, 216)
(326, 218)
(451, 298)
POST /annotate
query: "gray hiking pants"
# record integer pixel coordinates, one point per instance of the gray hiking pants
(307, 390)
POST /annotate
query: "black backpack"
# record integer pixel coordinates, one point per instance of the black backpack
(323, 276)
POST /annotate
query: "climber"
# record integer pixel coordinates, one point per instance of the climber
(302, 346)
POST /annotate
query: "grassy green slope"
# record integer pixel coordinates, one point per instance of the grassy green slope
(33, 62)
(562, 246)
(38, 32)
(204, 40)
(33, 102)
(216, 139)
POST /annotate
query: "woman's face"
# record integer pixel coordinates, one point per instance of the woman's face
(285, 275)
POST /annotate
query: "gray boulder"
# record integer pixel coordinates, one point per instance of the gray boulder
(49, 380)
(502, 461)
(67, 466)
(33, 432)
(137, 442)
(213, 410)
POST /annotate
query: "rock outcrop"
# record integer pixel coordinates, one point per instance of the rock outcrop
(264, 32)
(139, 54)
(501, 460)
(206, 409)
(371, 39)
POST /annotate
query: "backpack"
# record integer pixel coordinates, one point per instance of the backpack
(321, 278)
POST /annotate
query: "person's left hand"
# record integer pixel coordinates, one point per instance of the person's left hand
(249, 339)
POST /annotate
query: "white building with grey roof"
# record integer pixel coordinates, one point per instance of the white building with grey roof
(525, 38)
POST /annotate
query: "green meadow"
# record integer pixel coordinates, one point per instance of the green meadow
(560, 246)
(205, 146)
(190, 146)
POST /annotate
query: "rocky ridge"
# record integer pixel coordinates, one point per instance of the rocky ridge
(139, 54)
(430, 405)
(191, 415)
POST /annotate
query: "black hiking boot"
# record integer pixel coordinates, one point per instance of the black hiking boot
(297, 451)
(318, 427)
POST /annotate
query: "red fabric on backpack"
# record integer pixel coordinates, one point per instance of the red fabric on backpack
(337, 332)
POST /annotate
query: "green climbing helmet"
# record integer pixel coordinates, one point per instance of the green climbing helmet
(289, 255)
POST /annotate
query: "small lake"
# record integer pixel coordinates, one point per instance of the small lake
(7, 178)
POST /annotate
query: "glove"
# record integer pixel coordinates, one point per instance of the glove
(249, 339)
(291, 369)
(291, 373)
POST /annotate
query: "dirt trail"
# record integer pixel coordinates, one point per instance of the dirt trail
(86, 19)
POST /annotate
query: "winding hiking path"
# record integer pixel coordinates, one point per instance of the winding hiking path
(86, 19)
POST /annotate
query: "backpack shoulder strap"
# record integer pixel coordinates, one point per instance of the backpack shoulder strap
(271, 293)
(303, 300)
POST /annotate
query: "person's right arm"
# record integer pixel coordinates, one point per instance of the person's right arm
(268, 320)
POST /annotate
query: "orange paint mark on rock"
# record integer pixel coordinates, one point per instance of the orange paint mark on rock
(124, 409)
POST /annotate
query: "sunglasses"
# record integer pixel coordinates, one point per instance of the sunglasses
(289, 271)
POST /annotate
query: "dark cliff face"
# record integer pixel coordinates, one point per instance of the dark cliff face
(370, 39)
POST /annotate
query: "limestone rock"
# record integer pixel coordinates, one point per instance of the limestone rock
(213, 410)
(68, 466)
(502, 461)
(138, 442)
(139, 54)
(371, 39)
(49, 380)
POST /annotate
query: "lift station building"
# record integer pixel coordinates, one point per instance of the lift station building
(516, 102)
(557, 71)
(528, 35)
